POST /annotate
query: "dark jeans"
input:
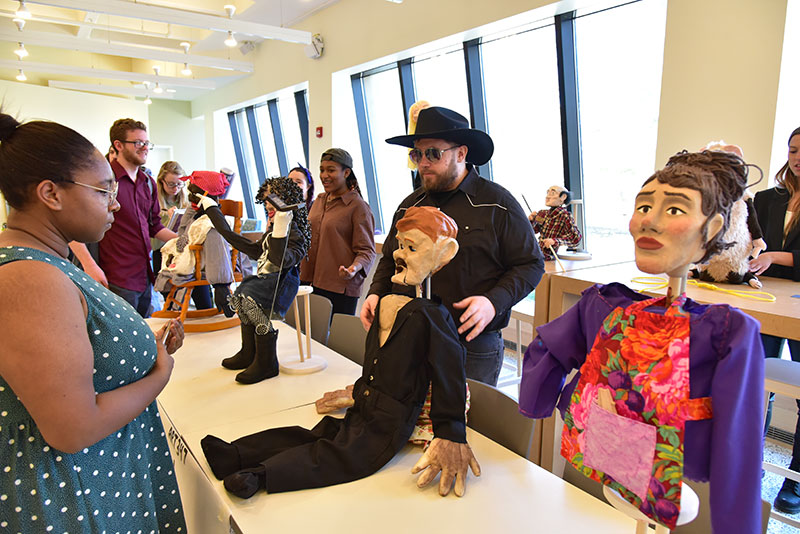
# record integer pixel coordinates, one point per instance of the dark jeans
(341, 302)
(140, 300)
(484, 357)
(772, 349)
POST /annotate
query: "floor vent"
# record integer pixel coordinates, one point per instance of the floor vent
(781, 435)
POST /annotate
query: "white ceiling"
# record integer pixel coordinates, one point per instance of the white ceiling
(112, 46)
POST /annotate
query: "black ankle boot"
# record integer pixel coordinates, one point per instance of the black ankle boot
(245, 356)
(265, 365)
(221, 294)
(246, 482)
(788, 499)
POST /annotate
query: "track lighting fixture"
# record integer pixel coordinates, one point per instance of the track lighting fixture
(22, 11)
(21, 76)
(231, 40)
(147, 100)
(186, 71)
(21, 51)
(19, 22)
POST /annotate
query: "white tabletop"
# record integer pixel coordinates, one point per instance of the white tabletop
(512, 495)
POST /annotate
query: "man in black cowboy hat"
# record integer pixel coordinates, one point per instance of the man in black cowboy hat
(499, 261)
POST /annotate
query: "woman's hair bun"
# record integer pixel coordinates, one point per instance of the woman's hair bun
(8, 125)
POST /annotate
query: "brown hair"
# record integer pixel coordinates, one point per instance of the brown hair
(431, 221)
(119, 130)
(171, 167)
(787, 179)
(720, 177)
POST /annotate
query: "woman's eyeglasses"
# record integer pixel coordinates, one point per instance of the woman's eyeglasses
(111, 194)
(433, 154)
(174, 185)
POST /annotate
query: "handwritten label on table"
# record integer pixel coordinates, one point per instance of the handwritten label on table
(178, 445)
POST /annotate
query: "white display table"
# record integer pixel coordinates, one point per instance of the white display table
(513, 495)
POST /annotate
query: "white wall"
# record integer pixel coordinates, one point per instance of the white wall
(170, 123)
(90, 115)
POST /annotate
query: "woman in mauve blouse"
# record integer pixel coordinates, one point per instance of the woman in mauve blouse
(342, 235)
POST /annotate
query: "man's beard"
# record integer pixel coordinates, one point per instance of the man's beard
(440, 183)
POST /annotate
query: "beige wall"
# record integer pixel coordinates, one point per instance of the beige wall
(722, 63)
(171, 124)
(90, 115)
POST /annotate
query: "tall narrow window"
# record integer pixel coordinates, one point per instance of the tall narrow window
(267, 141)
(291, 130)
(620, 57)
(441, 79)
(522, 105)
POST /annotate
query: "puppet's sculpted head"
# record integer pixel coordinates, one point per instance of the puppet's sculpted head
(426, 239)
(556, 196)
(683, 210)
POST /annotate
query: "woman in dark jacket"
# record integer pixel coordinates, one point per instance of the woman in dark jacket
(778, 212)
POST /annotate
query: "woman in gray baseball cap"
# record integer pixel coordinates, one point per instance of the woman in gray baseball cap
(342, 235)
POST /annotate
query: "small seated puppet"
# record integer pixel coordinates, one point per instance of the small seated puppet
(412, 343)
(744, 236)
(194, 229)
(555, 225)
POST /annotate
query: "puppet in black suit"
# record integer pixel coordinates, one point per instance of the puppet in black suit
(413, 343)
(782, 260)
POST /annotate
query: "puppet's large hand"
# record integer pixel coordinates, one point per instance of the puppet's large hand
(759, 246)
(206, 202)
(449, 458)
(280, 224)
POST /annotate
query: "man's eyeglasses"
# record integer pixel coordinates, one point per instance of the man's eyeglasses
(140, 144)
(433, 154)
(174, 185)
(111, 194)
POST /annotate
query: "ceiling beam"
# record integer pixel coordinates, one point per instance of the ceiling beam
(50, 68)
(70, 42)
(180, 17)
(108, 89)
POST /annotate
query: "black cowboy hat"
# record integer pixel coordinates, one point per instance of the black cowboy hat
(443, 123)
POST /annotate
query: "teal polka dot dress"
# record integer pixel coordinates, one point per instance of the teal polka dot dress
(124, 483)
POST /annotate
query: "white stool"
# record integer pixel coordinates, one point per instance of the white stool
(301, 363)
(690, 505)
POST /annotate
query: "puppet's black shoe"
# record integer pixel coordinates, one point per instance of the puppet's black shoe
(246, 355)
(223, 457)
(265, 364)
(246, 482)
(221, 294)
(788, 499)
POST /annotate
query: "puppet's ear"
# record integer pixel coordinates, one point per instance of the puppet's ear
(447, 250)
(714, 226)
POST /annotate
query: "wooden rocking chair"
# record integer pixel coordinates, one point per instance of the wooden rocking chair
(231, 208)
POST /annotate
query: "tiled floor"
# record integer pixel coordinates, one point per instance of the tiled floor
(774, 452)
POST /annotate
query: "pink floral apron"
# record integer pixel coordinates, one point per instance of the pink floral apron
(639, 367)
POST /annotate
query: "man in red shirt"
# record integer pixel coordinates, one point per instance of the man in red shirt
(124, 257)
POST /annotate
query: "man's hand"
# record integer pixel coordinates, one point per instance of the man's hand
(368, 310)
(548, 242)
(479, 312)
(347, 273)
(449, 458)
(171, 334)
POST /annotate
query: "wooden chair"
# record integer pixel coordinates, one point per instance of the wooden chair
(348, 337)
(232, 208)
(496, 415)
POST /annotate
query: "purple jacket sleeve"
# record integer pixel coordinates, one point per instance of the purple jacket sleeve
(737, 393)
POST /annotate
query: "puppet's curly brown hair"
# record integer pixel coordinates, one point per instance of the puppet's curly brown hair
(290, 193)
(720, 177)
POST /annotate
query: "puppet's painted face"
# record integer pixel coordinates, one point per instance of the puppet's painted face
(553, 198)
(667, 228)
(415, 258)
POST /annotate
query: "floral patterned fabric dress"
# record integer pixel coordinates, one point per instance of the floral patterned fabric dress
(640, 361)
(124, 482)
(725, 363)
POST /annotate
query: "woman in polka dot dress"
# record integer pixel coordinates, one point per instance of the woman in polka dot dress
(82, 448)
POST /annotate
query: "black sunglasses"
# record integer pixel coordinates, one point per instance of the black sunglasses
(433, 154)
